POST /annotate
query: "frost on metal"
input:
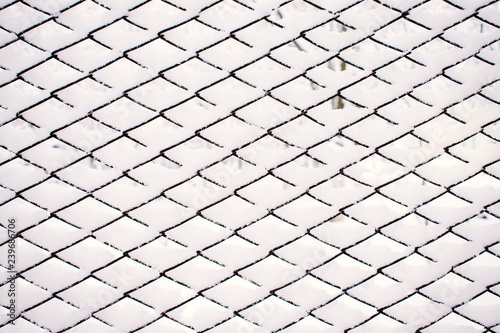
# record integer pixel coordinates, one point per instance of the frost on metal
(251, 166)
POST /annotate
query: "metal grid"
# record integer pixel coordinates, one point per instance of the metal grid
(246, 166)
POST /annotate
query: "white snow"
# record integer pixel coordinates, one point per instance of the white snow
(250, 166)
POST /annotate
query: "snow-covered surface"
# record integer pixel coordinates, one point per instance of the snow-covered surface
(251, 165)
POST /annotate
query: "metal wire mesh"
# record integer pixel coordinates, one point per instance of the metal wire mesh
(251, 166)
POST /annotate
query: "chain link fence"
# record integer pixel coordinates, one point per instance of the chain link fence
(250, 166)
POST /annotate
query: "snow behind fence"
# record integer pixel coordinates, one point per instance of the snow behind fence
(250, 166)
